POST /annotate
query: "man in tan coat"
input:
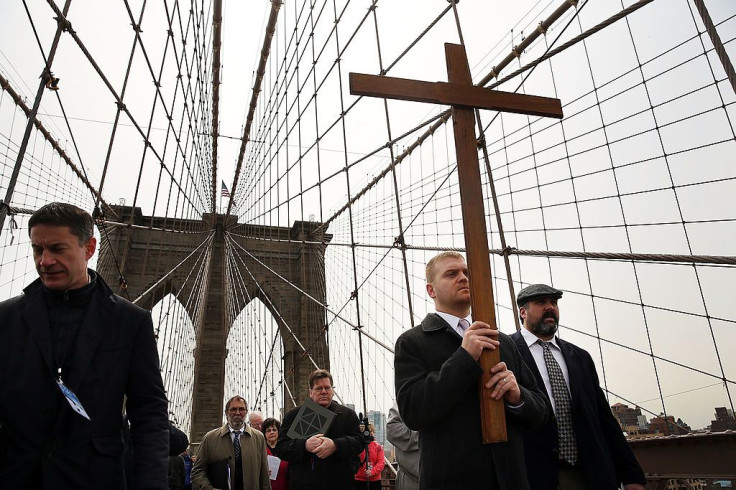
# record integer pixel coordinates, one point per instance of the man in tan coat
(235, 452)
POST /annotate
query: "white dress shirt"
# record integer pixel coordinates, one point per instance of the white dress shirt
(454, 320)
(233, 431)
(538, 355)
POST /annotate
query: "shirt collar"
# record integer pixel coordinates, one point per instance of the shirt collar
(531, 339)
(452, 319)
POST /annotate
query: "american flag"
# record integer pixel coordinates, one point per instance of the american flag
(225, 192)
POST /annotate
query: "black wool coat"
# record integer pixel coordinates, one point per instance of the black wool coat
(604, 455)
(43, 442)
(437, 394)
(336, 472)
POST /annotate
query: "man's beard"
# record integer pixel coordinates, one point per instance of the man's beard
(544, 329)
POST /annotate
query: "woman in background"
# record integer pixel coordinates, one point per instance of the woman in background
(369, 474)
(270, 430)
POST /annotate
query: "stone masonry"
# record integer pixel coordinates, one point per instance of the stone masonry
(147, 251)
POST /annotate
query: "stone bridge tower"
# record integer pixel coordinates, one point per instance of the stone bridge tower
(156, 257)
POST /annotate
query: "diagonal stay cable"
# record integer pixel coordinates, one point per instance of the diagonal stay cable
(265, 52)
(67, 26)
(281, 319)
(5, 84)
(168, 274)
(235, 271)
(309, 296)
(45, 76)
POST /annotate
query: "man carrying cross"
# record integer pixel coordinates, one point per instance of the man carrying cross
(436, 369)
(438, 363)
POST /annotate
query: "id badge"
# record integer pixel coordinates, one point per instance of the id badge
(72, 399)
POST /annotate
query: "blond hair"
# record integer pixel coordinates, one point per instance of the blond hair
(430, 269)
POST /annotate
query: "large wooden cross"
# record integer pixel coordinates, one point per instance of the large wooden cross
(464, 97)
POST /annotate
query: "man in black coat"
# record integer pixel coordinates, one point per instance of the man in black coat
(73, 355)
(324, 461)
(583, 447)
(437, 373)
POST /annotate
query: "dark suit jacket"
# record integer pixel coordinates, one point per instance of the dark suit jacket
(604, 455)
(43, 442)
(336, 472)
(437, 394)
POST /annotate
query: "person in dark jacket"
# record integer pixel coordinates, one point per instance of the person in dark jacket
(437, 375)
(72, 356)
(178, 443)
(583, 446)
(188, 463)
(324, 461)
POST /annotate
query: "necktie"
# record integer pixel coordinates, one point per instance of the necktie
(463, 324)
(236, 446)
(563, 411)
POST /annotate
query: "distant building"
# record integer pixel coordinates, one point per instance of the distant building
(668, 426)
(724, 420)
(682, 424)
(630, 419)
(378, 421)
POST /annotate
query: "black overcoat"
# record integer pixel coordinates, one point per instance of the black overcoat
(437, 394)
(43, 442)
(604, 455)
(336, 472)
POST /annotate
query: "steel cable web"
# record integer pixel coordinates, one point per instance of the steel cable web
(613, 204)
(555, 198)
(167, 59)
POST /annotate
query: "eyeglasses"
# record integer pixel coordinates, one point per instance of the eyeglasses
(273, 428)
(320, 389)
(237, 409)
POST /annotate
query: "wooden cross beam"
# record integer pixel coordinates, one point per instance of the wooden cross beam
(464, 97)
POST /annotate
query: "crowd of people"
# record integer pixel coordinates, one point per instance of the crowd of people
(261, 454)
(72, 354)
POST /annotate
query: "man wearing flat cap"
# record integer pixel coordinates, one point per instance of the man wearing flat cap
(582, 446)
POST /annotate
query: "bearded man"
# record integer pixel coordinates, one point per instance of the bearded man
(232, 456)
(583, 446)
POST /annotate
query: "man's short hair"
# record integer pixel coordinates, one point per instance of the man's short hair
(78, 220)
(319, 374)
(429, 270)
(236, 397)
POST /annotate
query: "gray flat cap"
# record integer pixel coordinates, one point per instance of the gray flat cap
(536, 291)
